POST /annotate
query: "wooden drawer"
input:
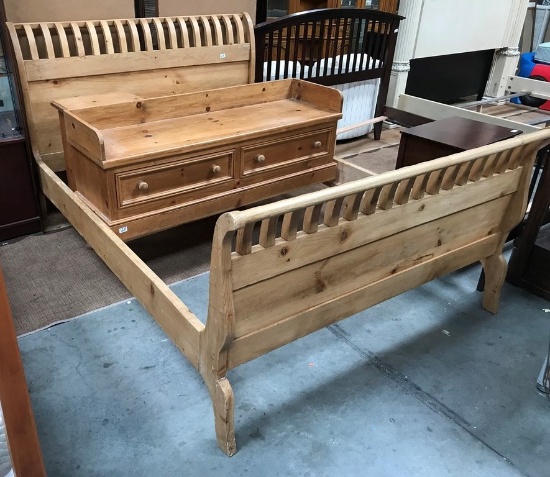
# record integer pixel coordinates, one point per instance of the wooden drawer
(281, 152)
(174, 178)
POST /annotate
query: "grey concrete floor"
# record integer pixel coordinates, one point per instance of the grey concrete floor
(425, 384)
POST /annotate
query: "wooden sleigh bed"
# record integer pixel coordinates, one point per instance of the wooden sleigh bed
(310, 260)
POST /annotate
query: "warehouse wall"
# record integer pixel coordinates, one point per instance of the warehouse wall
(205, 7)
(60, 10)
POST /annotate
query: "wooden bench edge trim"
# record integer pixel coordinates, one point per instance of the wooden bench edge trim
(242, 267)
(23, 442)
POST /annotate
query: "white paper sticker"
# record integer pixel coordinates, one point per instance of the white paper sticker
(123, 230)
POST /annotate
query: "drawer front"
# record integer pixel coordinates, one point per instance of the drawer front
(277, 153)
(174, 178)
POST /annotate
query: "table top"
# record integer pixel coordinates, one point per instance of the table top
(461, 133)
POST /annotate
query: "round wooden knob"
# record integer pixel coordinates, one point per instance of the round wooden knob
(142, 185)
(260, 158)
(317, 144)
(215, 168)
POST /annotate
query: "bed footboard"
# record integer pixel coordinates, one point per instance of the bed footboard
(301, 264)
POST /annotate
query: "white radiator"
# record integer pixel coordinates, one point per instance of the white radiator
(359, 97)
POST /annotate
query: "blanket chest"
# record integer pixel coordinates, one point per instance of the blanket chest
(144, 165)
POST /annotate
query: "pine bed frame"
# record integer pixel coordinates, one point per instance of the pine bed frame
(317, 258)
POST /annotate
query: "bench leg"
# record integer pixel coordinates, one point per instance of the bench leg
(223, 403)
(495, 272)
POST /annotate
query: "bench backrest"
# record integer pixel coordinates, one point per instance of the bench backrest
(147, 57)
(321, 257)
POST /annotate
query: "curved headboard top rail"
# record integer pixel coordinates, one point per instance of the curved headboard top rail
(147, 57)
(47, 40)
(317, 38)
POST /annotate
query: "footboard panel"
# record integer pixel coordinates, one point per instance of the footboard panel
(303, 263)
(265, 303)
(344, 305)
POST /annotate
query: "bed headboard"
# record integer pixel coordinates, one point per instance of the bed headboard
(316, 38)
(147, 57)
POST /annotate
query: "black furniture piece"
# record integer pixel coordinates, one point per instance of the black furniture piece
(19, 209)
(529, 265)
(447, 136)
(450, 78)
(309, 37)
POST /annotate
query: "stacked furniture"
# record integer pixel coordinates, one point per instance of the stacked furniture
(248, 144)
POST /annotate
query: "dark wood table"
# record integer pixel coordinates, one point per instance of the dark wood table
(447, 136)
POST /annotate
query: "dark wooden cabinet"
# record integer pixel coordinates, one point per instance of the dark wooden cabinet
(530, 261)
(447, 136)
(19, 209)
(18, 205)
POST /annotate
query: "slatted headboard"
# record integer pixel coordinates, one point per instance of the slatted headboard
(330, 46)
(147, 57)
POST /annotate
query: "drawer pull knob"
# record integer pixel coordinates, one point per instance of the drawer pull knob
(259, 158)
(317, 145)
(142, 185)
(215, 168)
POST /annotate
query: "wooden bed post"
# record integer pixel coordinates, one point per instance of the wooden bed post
(218, 336)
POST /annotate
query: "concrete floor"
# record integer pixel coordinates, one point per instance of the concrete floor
(425, 384)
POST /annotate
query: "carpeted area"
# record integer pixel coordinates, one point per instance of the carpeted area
(54, 277)
(375, 161)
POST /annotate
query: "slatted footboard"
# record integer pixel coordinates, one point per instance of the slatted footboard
(304, 263)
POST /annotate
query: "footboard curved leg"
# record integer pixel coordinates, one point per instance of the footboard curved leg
(223, 403)
(495, 272)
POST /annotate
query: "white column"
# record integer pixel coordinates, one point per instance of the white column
(404, 50)
(506, 59)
